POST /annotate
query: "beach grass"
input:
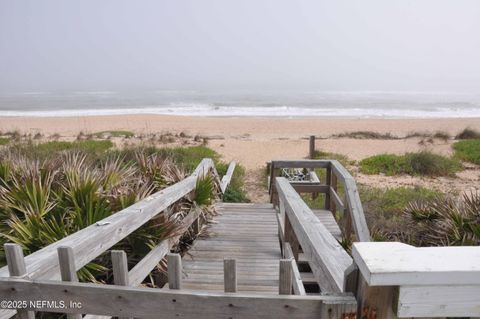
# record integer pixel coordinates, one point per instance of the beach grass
(467, 134)
(4, 140)
(370, 135)
(115, 133)
(422, 163)
(468, 150)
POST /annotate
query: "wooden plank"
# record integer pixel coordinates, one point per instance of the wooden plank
(174, 271)
(16, 268)
(307, 187)
(228, 176)
(297, 284)
(67, 271)
(326, 256)
(285, 277)
(438, 301)
(120, 267)
(230, 275)
(149, 303)
(396, 264)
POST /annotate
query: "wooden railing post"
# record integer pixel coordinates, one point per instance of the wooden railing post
(328, 181)
(333, 186)
(285, 280)
(230, 275)
(311, 153)
(17, 268)
(66, 262)
(174, 262)
(120, 269)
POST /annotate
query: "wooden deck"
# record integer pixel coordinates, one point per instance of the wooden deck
(245, 232)
(249, 234)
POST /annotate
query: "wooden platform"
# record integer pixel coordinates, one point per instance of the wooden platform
(246, 232)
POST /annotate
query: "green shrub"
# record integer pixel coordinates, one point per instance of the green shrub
(204, 190)
(367, 135)
(468, 134)
(384, 209)
(468, 150)
(4, 140)
(421, 163)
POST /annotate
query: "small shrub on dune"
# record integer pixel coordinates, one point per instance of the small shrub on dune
(468, 150)
(468, 134)
(421, 163)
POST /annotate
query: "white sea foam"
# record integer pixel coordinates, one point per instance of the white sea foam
(264, 104)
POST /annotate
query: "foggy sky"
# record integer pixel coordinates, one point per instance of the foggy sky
(398, 45)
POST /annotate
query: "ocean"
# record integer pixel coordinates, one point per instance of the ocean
(243, 104)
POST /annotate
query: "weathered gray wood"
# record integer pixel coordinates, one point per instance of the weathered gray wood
(149, 303)
(67, 270)
(298, 288)
(291, 238)
(230, 274)
(174, 271)
(311, 149)
(16, 268)
(285, 279)
(397, 264)
(328, 181)
(352, 201)
(120, 267)
(438, 301)
(228, 176)
(308, 187)
(375, 302)
(333, 196)
(250, 238)
(327, 257)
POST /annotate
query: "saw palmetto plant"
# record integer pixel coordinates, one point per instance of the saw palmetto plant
(445, 221)
(48, 197)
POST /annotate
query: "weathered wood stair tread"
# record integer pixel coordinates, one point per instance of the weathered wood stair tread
(246, 232)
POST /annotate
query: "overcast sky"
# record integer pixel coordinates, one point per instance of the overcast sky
(395, 45)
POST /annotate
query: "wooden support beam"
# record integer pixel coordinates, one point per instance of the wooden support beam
(120, 269)
(230, 275)
(67, 270)
(285, 280)
(17, 268)
(174, 271)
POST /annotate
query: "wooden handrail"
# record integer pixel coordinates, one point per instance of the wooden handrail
(327, 258)
(351, 205)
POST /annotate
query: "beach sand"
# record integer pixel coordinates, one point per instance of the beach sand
(254, 141)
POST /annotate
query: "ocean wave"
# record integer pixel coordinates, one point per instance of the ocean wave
(207, 110)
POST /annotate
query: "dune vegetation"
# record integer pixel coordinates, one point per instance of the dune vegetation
(422, 163)
(53, 189)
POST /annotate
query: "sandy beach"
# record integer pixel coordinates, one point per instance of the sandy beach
(254, 141)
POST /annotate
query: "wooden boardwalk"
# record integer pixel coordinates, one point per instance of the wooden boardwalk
(245, 232)
(249, 234)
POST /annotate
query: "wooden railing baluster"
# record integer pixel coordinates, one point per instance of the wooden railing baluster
(174, 262)
(17, 268)
(230, 275)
